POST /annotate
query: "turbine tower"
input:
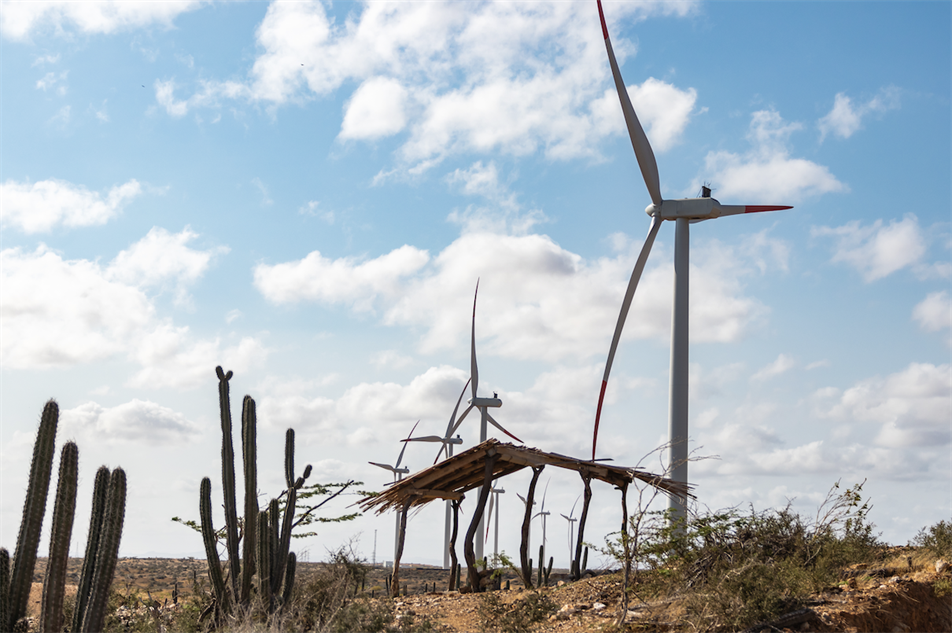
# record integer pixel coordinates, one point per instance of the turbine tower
(682, 212)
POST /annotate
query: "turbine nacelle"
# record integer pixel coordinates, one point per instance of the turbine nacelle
(485, 402)
(704, 209)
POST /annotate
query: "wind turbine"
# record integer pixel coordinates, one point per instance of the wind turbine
(683, 212)
(542, 513)
(398, 474)
(571, 519)
(483, 404)
(447, 442)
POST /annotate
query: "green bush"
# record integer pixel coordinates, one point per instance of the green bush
(497, 617)
(738, 568)
(936, 538)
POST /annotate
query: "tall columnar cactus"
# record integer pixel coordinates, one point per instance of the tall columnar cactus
(228, 477)
(266, 534)
(34, 508)
(54, 584)
(211, 545)
(100, 490)
(107, 554)
(102, 548)
(249, 457)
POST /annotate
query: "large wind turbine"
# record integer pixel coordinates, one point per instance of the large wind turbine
(483, 404)
(683, 212)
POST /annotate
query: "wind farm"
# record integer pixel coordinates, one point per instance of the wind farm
(307, 194)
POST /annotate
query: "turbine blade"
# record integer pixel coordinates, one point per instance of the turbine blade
(425, 438)
(499, 426)
(442, 448)
(639, 141)
(449, 427)
(473, 369)
(625, 305)
(460, 421)
(403, 450)
(489, 518)
(737, 209)
(384, 466)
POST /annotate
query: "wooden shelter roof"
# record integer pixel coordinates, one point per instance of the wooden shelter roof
(453, 477)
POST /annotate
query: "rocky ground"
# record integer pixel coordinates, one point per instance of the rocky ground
(882, 599)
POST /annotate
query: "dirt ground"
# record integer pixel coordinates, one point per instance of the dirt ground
(898, 600)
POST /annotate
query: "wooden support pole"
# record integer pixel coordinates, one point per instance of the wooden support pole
(395, 583)
(587, 499)
(627, 552)
(468, 549)
(454, 580)
(526, 521)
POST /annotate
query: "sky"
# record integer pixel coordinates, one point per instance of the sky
(307, 192)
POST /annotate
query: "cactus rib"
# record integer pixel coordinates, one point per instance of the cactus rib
(228, 477)
(211, 548)
(249, 460)
(108, 554)
(100, 489)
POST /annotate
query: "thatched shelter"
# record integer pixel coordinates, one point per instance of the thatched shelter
(478, 467)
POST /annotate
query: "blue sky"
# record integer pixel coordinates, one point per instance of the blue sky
(306, 193)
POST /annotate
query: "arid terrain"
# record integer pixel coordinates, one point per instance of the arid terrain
(901, 598)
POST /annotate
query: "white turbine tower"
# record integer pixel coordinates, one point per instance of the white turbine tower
(398, 474)
(447, 441)
(494, 501)
(683, 212)
(543, 514)
(483, 404)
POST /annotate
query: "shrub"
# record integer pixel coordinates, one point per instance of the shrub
(936, 538)
(496, 616)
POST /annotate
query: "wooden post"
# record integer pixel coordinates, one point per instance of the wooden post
(468, 549)
(526, 521)
(587, 499)
(395, 583)
(627, 550)
(454, 579)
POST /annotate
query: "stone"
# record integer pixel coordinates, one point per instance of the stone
(941, 565)
(598, 606)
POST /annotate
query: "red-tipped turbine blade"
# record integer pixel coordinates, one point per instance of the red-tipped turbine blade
(499, 426)
(623, 315)
(755, 208)
(639, 141)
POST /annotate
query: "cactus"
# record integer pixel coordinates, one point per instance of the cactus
(585, 560)
(108, 552)
(270, 547)
(539, 571)
(228, 477)
(249, 457)
(211, 546)
(289, 578)
(4, 584)
(34, 507)
(548, 571)
(54, 584)
(100, 489)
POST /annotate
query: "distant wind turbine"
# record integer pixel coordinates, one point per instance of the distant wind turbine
(683, 212)
(483, 404)
(398, 474)
(571, 519)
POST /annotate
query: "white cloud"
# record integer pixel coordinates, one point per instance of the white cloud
(344, 280)
(263, 189)
(38, 207)
(375, 110)
(934, 313)
(136, 421)
(52, 80)
(845, 119)
(911, 408)
(390, 358)
(162, 258)
(780, 366)
(559, 305)
(767, 173)
(19, 20)
(879, 250)
(89, 312)
(511, 77)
